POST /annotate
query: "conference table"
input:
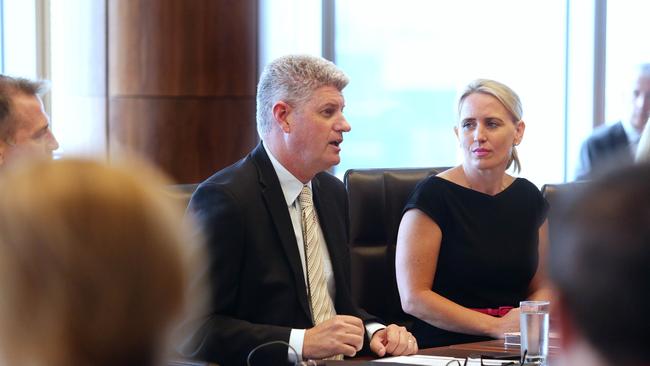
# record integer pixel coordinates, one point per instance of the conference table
(493, 348)
(489, 349)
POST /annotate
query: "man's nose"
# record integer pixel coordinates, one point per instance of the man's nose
(344, 125)
(52, 143)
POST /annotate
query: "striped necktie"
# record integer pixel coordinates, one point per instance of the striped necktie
(322, 307)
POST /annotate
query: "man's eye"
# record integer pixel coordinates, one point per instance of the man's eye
(328, 112)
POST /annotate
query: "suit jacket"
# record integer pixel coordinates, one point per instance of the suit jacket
(606, 148)
(255, 272)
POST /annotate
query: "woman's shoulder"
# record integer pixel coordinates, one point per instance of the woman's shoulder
(525, 185)
(433, 182)
(453, 175)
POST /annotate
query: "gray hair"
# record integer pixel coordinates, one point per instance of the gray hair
(506, 96)
(293, 79)
(10, 87)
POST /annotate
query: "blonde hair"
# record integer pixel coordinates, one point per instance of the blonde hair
(506, 96)
(93, 269)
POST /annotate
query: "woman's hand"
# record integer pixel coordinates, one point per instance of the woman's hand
(506, 324)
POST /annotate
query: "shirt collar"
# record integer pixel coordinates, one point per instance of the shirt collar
(291, 186)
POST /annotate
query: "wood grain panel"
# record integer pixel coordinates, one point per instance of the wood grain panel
(189, 138)
(182, 47)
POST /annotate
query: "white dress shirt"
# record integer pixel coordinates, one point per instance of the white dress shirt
(633, 136)
(291, 188)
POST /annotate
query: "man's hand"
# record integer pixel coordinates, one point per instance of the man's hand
(343, 334)
(393, 340)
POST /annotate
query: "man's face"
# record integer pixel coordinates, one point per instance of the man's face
(33, 137)
(316, 130)
(641, 102)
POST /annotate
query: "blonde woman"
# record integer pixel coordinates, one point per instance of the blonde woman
(471, 238)
(93, 265)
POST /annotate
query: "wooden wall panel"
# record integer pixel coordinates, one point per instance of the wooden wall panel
(182, 47)
(183, 135)
(182, 77)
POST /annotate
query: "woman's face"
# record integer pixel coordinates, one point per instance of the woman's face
(487, 132)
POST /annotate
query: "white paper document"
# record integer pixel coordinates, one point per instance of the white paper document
(441, 361)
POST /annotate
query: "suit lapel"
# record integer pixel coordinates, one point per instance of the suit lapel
(277, 208)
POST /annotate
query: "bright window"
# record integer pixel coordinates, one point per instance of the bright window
(19, 43)
(407, 62)
(627, 46)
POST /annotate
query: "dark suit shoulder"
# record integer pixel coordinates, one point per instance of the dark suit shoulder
(608, 138)
(236, 178)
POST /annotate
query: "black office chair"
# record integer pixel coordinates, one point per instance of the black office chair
(377, 197)
(556, 195)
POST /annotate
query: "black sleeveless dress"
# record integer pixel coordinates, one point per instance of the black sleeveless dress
(488, 254)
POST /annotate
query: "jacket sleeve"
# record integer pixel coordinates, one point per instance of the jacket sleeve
(218, 335)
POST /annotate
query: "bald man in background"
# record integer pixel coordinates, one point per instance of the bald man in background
(615, 145)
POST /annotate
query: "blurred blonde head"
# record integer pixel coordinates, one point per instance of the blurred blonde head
(93, 264)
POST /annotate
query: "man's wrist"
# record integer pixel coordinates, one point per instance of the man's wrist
(372, 328)
(296, 341)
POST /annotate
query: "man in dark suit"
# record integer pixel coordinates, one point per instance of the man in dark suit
(615, 145)
(276, 227)
(24, 125)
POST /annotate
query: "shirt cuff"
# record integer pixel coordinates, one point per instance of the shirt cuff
(296, 339)
(372, 327)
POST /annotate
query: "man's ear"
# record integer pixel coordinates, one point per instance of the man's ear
(281, 111)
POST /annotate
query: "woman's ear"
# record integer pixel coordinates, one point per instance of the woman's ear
(520, 127)
(281, 112)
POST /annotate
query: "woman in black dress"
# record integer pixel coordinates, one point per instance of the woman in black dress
(471, 238)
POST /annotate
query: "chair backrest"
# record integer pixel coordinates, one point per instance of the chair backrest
(557, 194)
(377, 198)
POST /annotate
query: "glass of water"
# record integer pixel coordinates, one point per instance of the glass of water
(534, 319)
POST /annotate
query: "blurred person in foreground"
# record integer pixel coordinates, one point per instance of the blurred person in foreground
(615, 145)
(24, 125)
(472, 239)
(277, 233)
(599, 266)
(94, 265)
